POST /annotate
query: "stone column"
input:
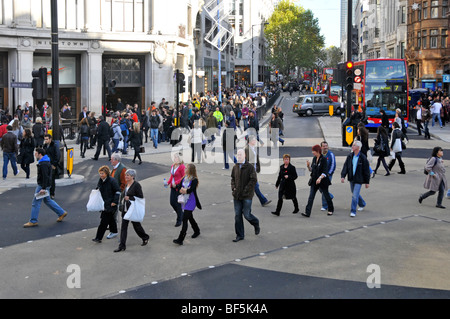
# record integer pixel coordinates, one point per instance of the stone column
(92, 78)
(23, 59)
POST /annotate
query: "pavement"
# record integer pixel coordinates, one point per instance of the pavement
(395, 248)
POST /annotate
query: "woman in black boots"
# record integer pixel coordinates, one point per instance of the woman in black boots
(381, 149)
(136, 141)
(188, 191)
(286, 184)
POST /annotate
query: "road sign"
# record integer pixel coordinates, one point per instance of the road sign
(349, 134)
(446, 78)
(21, 85)
(357, 79)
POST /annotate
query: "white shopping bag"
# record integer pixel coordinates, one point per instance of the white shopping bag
(120, 146)
(95, 203)
(136, 211)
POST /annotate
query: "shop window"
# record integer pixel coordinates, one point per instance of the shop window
(126, 71)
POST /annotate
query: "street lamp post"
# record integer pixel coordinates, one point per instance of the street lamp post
(253, 51)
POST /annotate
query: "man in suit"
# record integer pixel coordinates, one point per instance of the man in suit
(103, 137)
(84, 113)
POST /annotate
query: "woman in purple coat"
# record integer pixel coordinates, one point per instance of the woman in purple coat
(189, 192)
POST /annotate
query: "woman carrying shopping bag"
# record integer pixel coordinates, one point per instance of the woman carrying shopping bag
(436, 182)
(110, 191)
(189, 188)
(132, 191)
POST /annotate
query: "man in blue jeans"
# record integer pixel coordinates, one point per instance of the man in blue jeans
(356, 168)
(9, 146)
(44, 174)
(154, 124)
(243, 181)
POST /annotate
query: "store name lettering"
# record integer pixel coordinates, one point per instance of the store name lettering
(63, 43)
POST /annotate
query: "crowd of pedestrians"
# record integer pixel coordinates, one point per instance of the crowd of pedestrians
(129, 128)
(434, 107)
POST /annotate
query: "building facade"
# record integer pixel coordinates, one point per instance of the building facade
(248, 18)
(381, 29)
(427, 52)
(214, 48)
(139, 43)
(415, 30)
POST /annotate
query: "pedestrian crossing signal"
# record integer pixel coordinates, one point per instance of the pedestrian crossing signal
(112, 87)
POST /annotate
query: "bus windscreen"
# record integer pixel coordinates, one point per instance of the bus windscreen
(385, 87)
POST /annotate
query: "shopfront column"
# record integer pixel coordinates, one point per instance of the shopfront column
(92, 81)
(22, 66)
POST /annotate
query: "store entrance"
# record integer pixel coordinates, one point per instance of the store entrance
(130, 96)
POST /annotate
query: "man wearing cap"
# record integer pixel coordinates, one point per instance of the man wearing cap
(26, 122)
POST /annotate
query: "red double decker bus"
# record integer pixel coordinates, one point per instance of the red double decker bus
(383, 85)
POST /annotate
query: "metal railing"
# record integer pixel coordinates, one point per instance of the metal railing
(261, 110)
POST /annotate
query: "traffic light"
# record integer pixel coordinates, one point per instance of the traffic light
(112, 87)
(181, 83)
(39, 84)
(349, 76)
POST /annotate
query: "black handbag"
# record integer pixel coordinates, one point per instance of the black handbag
(19, 158)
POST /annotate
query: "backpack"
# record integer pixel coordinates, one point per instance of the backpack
(124, 128)
(84, 129)
(111, 132)
(425, 171)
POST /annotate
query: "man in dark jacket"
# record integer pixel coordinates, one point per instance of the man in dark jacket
(44, 172)
(9, 146)
(103, 138)
(52, 151)
(356, 168)
(154, 124)
(243, 182)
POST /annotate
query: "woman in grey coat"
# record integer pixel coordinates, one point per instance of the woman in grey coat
(435, 181)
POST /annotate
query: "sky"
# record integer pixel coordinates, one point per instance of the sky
(329, 14)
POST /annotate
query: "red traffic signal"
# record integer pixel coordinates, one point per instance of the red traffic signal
(349, 65)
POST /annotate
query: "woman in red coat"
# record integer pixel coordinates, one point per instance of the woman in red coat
(176, 176)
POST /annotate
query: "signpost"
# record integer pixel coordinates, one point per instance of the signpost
(21, 85)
